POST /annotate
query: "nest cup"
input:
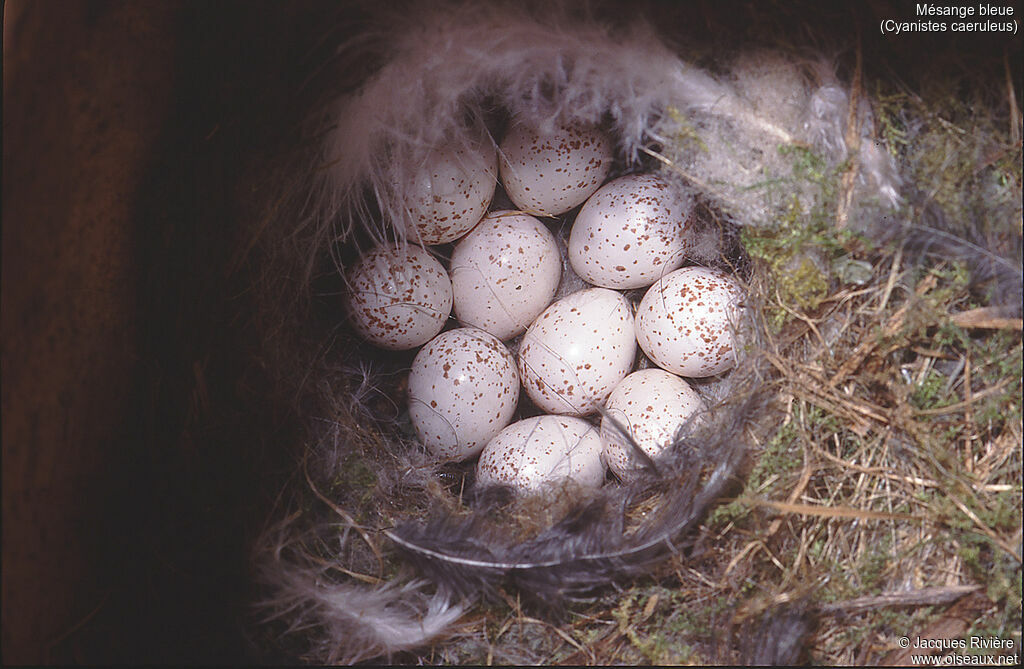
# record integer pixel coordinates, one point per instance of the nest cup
(376, 548)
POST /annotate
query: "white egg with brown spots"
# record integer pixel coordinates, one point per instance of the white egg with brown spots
(633, 231)
(547, 173)
(541, 451)
(451, 191)
(650, 407)
(463, 389)
(399, 296)
(688, 320)
(504, 273)
(577, 351)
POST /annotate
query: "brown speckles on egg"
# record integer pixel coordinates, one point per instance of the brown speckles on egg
(577, 351)
(543, 450)
(506, 251)
(399, 296)
(552, 173)
(687, 321)
(632, 235)
(463, 388)
(450, 194)
(651, 405)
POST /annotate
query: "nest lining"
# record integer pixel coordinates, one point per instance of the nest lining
(363, 474)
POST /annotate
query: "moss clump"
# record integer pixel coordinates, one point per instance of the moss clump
(804, 284)
(805, 252)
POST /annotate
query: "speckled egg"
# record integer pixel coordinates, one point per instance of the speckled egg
(541, 451)
(686, 322)
(451, 192)
(399, 296)
(632, 232)
(577, 350)
(549, 173)
(463, 390)
(650, 405)
(504, 273)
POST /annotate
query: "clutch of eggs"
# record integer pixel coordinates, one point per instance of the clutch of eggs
(399, 297)
(542, 450)
(687, 321)
(577, 353)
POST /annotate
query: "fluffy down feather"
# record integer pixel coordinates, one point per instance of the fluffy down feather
(447, 69)
(347, 623)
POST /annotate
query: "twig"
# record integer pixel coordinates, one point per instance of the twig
(968, 414)
(892, 326)
(891, 283)
(912, 480)
(852, 138)
(74, 628)
(1011, 94)
(560, 632)
(805, 478)
(828, 511)
(922, 597)
(985, 529)
(987, 318)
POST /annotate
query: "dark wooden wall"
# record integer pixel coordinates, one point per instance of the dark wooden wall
(132, 431)
(83, 111)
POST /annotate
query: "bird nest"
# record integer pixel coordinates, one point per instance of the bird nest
(857, 479)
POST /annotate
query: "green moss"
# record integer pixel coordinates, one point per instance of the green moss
(654, 647)
(778, 458)
(800, 251)
(809, 166)
(804, 285)
(727, 513)
(354, 487)
(686, 136)
(891, 123)
(874, 567)
(931, 392)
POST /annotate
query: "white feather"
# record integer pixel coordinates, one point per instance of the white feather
(350, 623)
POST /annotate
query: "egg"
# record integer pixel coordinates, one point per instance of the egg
(577, 350)
(504, 273)
(543, 450)
(399, 296)
(451, 191)
(650, 405)
(633, 231)
(686, 322)
(549, 173)
(463, 389)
